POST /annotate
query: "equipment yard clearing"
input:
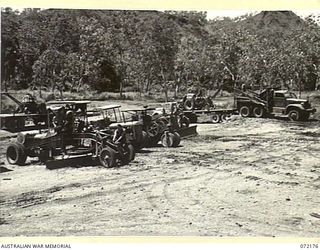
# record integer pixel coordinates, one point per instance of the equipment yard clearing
(244, 177)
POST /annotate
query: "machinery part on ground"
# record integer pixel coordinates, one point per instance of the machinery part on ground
(16, 154)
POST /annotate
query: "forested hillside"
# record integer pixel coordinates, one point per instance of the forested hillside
(151, 51)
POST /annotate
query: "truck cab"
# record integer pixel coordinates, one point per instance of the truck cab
(287, 103)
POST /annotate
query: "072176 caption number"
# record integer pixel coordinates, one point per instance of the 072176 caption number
(306, 246)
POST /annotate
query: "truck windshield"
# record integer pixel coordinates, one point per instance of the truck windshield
(290, 95)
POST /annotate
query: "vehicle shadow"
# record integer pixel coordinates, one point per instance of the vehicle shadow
(144, 151)
(4, 169)
(71, 163)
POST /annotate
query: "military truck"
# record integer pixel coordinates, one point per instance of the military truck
(272, 102)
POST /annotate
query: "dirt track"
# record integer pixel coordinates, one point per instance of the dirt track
(246, 177)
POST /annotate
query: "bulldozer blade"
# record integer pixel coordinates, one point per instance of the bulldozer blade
(188, 131)
(70, 161)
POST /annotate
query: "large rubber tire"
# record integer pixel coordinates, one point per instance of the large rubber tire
(176, 139)
(167, 140)
(154, 129)
(245, 111)
(145, 140)
(258, 112)
(225, 117)
(215, 118)
(188, 105)
(130, 154)
(107, 157)
(294, 115)
(16, 154)
(184, 122)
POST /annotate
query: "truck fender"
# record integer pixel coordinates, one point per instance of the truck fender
(294, 106)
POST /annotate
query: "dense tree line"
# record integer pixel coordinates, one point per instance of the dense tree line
(147, 51)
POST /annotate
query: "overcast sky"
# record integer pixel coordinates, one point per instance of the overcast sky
(235, 13)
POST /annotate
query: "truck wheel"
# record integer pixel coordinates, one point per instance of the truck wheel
(184, 122)
(215, 118)
(107, 157)
(294, 115)
(244, 111)
(258, 112)
(188, 105)
(16, 154)
(167, 139)
(176, 139)
(225, 117)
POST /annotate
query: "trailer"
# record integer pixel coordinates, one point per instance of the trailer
(215, 115)
(194, 105)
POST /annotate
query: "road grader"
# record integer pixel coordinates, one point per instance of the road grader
(164, 124)
(48, 146)
(83, 141)
(110, 116)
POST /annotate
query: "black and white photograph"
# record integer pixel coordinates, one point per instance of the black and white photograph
(160, 123)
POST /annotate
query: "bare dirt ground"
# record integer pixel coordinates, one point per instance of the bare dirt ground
(245, 177)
